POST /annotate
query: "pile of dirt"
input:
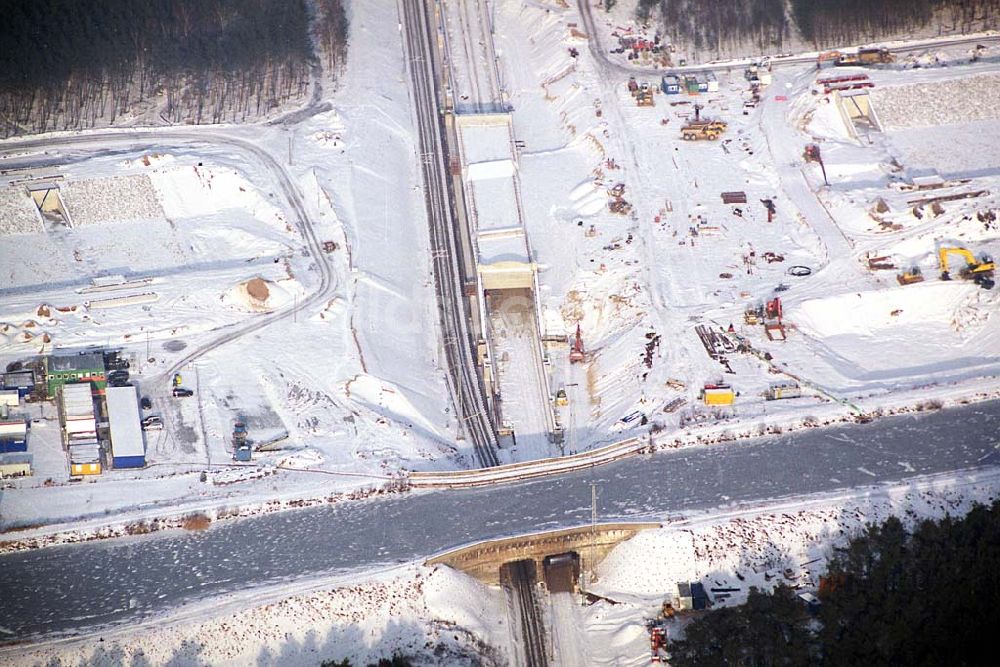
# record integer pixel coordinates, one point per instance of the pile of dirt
(257, 289)
(257, 295)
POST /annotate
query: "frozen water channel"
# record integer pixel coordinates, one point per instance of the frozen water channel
(68, 588)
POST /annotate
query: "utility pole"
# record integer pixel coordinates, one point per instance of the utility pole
(593, 531)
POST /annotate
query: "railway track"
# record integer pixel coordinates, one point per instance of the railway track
(420, 35)
(520, 585)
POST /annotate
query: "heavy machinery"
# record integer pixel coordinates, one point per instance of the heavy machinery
(644, 95)
(702, 128)
(980, 271)
(562, 400)
(576, 354)
(828, 56)
(241, 448)
(812, 154)
(876, 56)
(910, 276)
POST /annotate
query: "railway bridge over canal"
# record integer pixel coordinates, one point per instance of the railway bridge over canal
(483, 560)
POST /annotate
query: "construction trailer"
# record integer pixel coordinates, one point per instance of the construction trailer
(72, 368)
(9, 398)
(718, 394)
(691, 596)
(13, 435)
(79, 426)
(85, 457)
(671, 84)
(14, 469)
(23, 381)
(128, 450)
(781, 390)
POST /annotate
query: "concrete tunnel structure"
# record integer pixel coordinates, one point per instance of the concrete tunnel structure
(592, 544)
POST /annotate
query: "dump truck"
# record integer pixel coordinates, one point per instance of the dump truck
(702, 128)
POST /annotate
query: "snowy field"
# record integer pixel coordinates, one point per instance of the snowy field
(341, 367)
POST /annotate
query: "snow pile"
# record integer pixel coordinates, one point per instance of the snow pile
(938, 103)
(188, 192)
(387, 400)
(18, 214)
(111, 199)
(666, 561)
(257, 296)
(892, 313)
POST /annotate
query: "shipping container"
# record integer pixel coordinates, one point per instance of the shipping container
(782, 390)
(128, 450)
(85, 469)
(9, 445)
(10, 398)
(23, 382)
(80, 425)
(718, 394)
(14, 469)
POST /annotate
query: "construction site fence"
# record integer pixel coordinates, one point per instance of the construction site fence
(515, 472)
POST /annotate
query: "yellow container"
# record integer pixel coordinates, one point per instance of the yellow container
(719, 397)
(85, 468)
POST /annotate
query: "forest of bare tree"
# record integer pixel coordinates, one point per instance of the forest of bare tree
(744, 27)
(69, 65)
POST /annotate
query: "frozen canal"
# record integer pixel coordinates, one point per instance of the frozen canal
(73, 587)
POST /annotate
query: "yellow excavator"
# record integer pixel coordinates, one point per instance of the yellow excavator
(980, 271)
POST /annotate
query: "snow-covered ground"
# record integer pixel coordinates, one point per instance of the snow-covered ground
(435, 615)
(354, 384)
(201, 218)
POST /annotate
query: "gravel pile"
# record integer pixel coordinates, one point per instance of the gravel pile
(17, 212)
(112, 199)
(939, 103)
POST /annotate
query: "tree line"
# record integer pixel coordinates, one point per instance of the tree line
(764, 26)
(930, 597)
(719, 25)
(67, 65)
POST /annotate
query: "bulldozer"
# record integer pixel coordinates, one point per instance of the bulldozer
(910, 276)
(980, 271)
(702, 128)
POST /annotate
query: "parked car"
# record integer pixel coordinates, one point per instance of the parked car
(152, 423)
(118, 378)
(182, 392)
(146, 403)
